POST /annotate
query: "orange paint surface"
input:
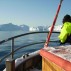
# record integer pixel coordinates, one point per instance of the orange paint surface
(64, 64)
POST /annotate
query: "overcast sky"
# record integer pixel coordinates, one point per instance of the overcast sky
(32, 12)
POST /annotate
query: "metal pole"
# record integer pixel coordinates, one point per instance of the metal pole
(52, 27)
(12, 48)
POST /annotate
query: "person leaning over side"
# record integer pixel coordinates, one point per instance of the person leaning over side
(65, 34)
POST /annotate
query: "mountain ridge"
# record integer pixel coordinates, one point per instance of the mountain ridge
(12, 27)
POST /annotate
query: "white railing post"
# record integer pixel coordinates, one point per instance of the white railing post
(10, 65)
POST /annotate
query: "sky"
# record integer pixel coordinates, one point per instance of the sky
(32, 12)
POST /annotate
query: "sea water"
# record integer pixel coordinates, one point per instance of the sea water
(22, 41)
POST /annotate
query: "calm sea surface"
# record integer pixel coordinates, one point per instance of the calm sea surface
(6, 47)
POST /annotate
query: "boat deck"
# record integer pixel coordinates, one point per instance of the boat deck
(63, 52)
(56, 58)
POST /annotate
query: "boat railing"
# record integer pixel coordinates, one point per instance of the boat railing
(12, 39)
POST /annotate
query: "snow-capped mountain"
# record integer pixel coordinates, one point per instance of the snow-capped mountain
(24, 27)
(12, 27)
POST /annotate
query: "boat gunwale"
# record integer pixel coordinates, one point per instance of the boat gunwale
(12, 47)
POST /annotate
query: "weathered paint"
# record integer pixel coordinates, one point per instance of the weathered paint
(51, 61)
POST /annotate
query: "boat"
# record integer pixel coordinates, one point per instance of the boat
(28, 61)
(46, 59)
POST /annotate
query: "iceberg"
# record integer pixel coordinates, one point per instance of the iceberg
(56, 28)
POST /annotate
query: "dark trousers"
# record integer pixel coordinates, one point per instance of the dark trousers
(68, 40)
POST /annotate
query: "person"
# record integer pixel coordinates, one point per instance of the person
(65, 34)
